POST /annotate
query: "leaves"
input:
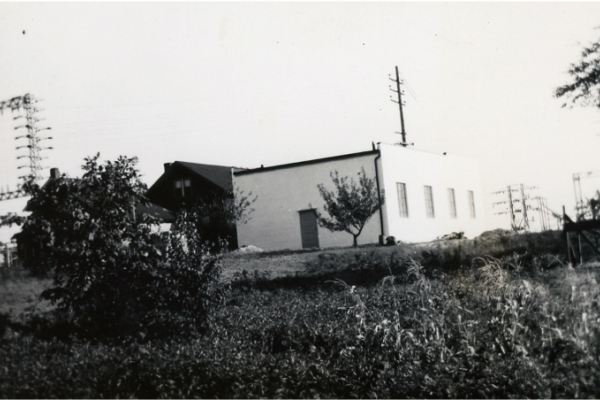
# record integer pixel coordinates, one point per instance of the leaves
(110, 276)
(585, 87)
(351, 205)
(218, 212)
(11, 219)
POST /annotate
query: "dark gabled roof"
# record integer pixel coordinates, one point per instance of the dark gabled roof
(217, 174)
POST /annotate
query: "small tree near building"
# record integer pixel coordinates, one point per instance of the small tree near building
(220, 213)
(350, 205)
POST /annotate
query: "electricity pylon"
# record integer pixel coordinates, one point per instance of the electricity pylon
(26, 104)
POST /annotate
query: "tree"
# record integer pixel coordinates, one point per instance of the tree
(110, 277)
(220, 213)
(585, 88)
(350, 205)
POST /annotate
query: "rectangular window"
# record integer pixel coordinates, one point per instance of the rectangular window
(402, 201)
(429, 202)
(472, 203)
(452, 203)
(183, 187)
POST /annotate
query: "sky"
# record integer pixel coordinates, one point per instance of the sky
(245, 84)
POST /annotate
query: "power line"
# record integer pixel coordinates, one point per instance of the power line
(410, 90)
(518, 206)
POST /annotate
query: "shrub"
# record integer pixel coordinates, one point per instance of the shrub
(110, 277)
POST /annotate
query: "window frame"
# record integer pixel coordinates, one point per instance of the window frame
(471, 196)
(429, 203)
(182, 187)
(402, 199)
(452, 203)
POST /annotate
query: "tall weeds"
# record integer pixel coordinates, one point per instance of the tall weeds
(494, 329)
(488, 333)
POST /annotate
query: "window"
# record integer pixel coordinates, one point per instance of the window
(452, 203)
(472, 203)
(183, 187)
(402, 201)
(429, 202)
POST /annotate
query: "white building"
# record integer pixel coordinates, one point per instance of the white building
(425, 195)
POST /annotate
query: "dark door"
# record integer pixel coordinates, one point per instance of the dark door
(308, 229)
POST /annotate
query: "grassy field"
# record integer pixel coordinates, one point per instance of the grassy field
(19, 293)
(502, 316)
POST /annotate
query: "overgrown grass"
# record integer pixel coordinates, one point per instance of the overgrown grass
(521, 325)
(19, 292)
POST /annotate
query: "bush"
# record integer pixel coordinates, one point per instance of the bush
(110, 277)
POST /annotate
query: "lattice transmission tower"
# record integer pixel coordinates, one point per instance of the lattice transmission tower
(25, 107)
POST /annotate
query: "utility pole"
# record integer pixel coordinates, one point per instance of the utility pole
(542, 213)
(513, 222)
(27, 104)
(546, 214)
(581, 208)
(521, 224)
(511, 210)
(542, 209)
(524, 204)
(400, 104)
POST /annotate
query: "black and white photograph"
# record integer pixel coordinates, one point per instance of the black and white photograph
(299, 199)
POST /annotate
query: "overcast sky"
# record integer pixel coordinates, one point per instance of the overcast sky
(245, 84)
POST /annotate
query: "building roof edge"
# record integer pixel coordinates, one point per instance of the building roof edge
(307, 162)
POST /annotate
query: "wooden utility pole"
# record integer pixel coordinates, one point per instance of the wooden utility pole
(524, 211)
(521, 224)
(400, 104)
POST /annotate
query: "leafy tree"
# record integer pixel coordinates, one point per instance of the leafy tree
(220, 213)
(110, 276)
(585, 88)
(350, 205)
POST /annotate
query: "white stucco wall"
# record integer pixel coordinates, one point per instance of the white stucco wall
(284, 192)
(416, 169)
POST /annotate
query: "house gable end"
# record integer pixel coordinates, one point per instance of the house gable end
(163, 192)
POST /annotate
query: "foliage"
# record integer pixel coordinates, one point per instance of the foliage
(11, 219)
(506, 327)
(220, 214)
(585, 88)
(188, 291)
(110, 277)
(350, 205)
(29, 186)
(483, 332)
